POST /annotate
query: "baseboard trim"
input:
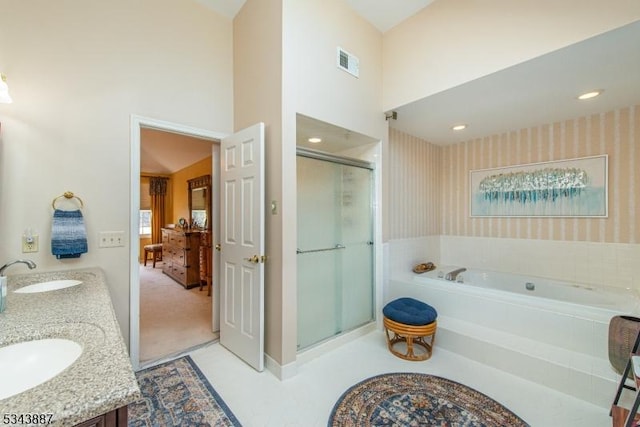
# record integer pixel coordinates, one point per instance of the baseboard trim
(290, 370)
(282, 372)
(333, 343)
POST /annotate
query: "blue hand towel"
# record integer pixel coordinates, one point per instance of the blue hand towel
(68, 235)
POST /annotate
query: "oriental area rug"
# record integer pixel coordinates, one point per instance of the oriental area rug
(410, 399)
(176, 393)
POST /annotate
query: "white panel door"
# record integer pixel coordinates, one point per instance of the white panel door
(241, 274)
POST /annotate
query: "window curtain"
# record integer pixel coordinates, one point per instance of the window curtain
(158, 193)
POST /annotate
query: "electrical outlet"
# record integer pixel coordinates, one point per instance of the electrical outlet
(30, 243)
(111, 239)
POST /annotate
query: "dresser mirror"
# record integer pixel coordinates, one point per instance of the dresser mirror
(200, 202)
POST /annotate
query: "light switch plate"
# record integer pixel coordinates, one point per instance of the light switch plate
(111, 239)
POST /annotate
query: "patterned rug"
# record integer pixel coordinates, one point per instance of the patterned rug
(407, 399)
(176, 393)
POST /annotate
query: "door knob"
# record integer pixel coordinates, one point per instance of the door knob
(254, 259)
(218, 247)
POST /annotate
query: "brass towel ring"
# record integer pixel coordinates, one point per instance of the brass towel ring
(67, 195)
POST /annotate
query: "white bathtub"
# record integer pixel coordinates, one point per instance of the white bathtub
(573, 298)
(555, 334)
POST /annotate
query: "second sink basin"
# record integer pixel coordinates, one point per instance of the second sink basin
(31, 363)
(52, 285)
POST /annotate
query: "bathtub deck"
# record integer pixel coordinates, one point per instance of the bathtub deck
(586, 377)
(562, 351)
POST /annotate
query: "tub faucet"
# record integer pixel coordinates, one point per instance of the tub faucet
(452, 275)
(29, 263)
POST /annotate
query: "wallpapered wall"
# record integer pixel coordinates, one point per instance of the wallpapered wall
(424, 176)
(415, 186)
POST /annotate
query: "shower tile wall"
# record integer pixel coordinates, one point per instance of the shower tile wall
(404, 254)
(603, 264)
(598, 251)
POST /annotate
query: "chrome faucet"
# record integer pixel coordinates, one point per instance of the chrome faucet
(29, 263)
(452, 275)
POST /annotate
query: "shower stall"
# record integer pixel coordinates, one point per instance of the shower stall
(335, 246)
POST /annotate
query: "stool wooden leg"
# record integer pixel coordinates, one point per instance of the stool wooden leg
(146, 255)
(153, 254)
(386, 332)
(409, 341)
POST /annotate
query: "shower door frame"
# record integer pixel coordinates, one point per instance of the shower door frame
(348, 161)
(371, 166)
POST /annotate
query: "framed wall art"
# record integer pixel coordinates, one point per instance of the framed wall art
(561, 188)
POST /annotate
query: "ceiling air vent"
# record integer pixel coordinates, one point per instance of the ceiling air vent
(348, 62)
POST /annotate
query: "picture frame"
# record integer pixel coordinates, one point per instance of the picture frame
(560, 188)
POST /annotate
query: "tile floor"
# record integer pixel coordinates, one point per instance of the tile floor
(260, 399)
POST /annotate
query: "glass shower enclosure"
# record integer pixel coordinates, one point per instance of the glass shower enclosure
(335, 246)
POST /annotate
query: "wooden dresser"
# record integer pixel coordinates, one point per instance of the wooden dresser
(181, 253)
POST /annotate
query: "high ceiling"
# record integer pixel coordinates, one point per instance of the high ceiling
(383, 14)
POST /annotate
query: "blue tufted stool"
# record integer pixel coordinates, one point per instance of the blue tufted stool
(412, 322)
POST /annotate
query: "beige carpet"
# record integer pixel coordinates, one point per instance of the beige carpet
(172, 318)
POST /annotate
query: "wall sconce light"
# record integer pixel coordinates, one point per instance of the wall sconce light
(4, 91)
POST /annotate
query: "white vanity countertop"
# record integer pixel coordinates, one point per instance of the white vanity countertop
(102, 378)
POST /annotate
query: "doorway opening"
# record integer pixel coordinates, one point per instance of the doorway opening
(169, 315)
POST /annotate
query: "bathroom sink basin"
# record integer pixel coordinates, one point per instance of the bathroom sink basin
(52, 285)
(31, 363)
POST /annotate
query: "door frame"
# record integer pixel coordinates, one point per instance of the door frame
(137, 123)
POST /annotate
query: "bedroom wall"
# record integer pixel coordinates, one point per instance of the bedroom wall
(179, 188)
(77, 70)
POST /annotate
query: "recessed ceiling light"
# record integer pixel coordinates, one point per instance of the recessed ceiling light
(314, 140)
(459, 127)
(591, 94)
